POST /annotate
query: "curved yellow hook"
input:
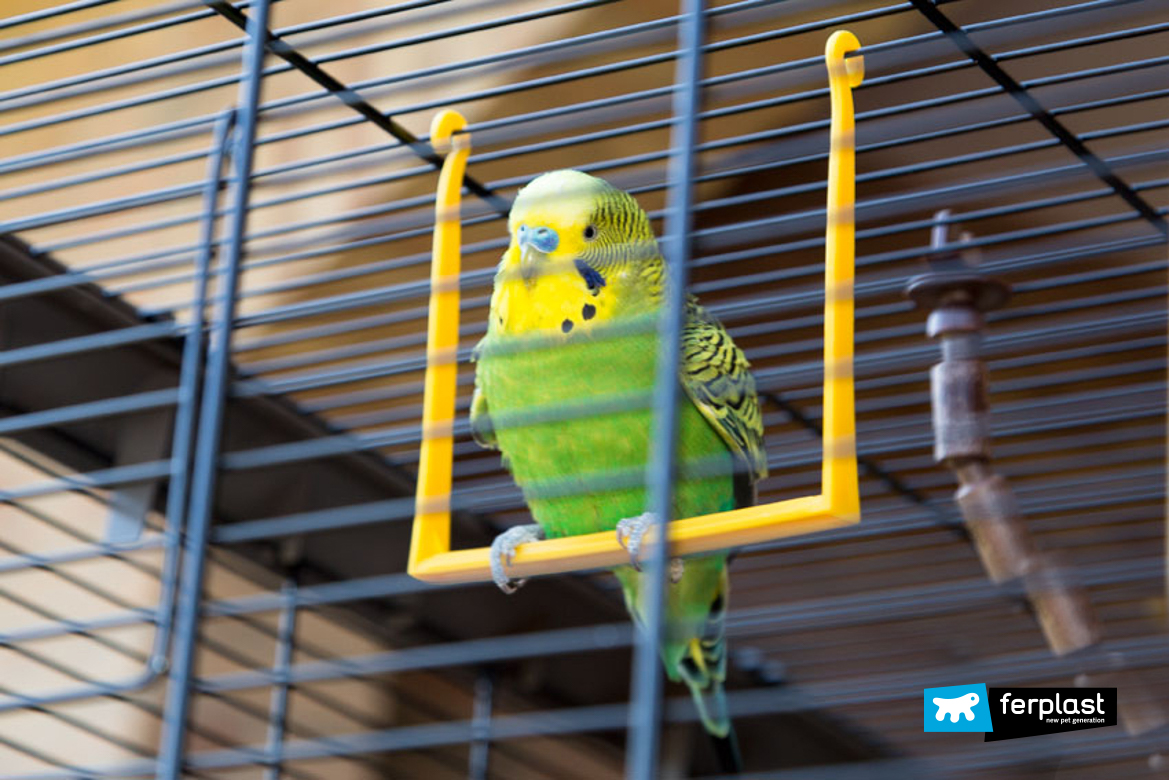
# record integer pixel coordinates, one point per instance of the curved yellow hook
(840, 44)
(442, 136)
(432, 518)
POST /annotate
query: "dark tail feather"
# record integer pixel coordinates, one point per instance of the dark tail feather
(711, 702)
(726, 751)
(704, 668)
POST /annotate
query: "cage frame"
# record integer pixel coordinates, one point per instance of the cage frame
(431, 558)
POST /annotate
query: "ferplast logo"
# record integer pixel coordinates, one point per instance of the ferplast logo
(1010, 713)
(1029, 712)
(957, 708)
(1087, 706)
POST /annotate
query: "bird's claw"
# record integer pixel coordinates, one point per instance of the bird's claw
(630, 532)
(503, 553)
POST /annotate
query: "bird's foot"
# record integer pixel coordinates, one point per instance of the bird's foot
(503, 553)
(630, 532)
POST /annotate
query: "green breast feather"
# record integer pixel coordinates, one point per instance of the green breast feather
(572, 418)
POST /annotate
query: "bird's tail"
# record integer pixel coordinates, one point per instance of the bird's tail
(701, 663)
(706, 688)
(704, 668)
(703, 671)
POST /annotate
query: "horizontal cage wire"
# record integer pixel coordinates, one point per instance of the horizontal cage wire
(215, 254)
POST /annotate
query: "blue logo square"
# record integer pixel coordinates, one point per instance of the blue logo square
(957, 708)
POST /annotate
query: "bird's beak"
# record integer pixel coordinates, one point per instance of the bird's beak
(535, 246)
(530, 259)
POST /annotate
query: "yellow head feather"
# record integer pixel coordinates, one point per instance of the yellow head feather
(582, 252)
(563, 200)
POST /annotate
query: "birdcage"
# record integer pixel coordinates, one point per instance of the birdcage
(216, 222)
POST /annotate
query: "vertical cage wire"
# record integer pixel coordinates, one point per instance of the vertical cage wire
(645, 699)
(214, 395)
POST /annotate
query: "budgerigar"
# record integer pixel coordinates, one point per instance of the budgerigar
(563, 384)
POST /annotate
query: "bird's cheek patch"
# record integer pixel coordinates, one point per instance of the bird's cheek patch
(593, 278)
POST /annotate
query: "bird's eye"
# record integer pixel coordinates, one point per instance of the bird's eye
(590, 233)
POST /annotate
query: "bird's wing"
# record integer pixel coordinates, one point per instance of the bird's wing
(717, 377)
(481, 427)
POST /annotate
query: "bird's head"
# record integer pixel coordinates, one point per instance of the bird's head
(567, 216)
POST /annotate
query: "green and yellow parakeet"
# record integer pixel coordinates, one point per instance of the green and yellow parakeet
(563, 384)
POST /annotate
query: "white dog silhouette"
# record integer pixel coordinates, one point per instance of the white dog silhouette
(954, 707)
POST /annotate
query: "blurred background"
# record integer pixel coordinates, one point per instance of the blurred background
(314, 655)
